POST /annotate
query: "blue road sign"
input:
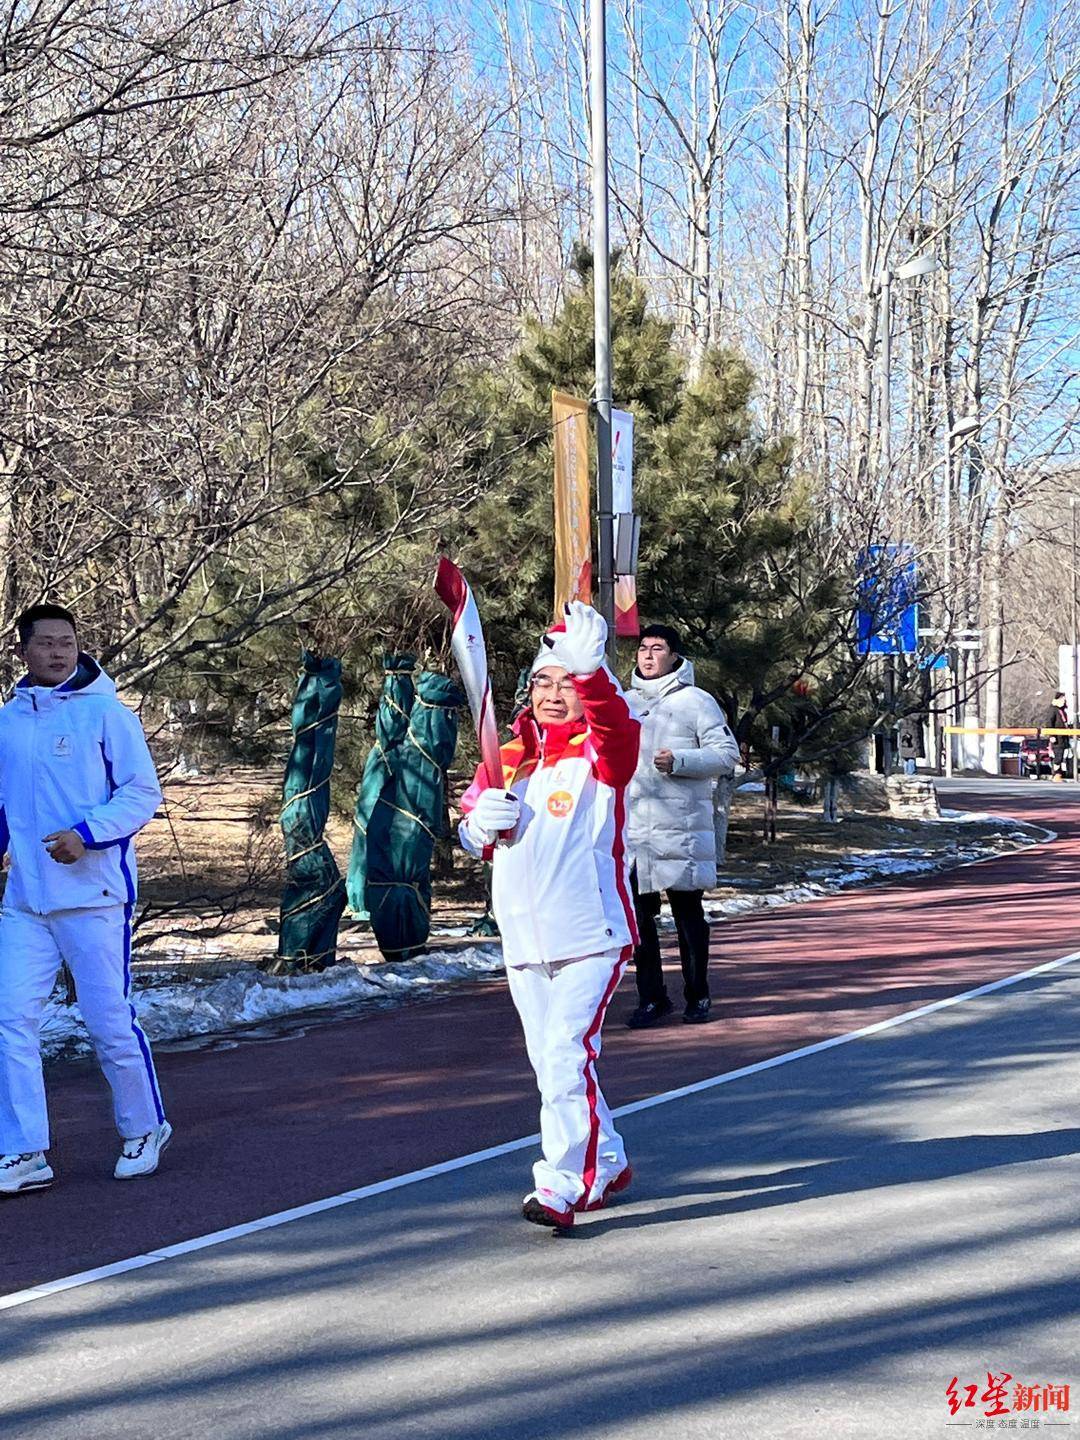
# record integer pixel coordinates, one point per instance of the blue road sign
(888, 613)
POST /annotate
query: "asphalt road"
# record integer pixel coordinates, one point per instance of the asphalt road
(812, 1248)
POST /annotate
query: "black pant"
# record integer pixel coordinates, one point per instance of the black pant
(693, 932)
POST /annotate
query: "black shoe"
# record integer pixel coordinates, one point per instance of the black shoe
(698, 1012)
(650, 1014)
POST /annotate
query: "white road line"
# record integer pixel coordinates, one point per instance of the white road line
(478, 1157)
(834, 1040)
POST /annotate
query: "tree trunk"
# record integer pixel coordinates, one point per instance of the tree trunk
(723, 793)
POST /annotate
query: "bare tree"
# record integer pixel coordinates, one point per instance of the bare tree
(236, 245)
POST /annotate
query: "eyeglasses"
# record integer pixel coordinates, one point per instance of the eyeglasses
(545, 685)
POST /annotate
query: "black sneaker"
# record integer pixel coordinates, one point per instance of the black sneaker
(650, 1014)
(698, 1012)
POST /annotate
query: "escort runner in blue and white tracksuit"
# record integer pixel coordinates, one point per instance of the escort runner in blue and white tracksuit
(76, 780)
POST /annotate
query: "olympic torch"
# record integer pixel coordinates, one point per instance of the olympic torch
(470, 653)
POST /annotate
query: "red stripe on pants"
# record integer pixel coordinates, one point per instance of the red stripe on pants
(588, 1174)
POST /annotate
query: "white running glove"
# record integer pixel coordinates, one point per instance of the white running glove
(581, 648)
(494, 812)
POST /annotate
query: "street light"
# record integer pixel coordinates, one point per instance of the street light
(911, 269)
(924, 264)
(916, 265)
(961, 427)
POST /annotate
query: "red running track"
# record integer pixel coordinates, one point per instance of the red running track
(273, 1123)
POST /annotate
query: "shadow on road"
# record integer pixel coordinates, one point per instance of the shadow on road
(435, 1312)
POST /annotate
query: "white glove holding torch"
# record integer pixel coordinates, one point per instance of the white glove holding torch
(495, 812)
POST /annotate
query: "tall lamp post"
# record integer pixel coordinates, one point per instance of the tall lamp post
(912, 269)
(602, 321)
(923, 264)
(963, 426)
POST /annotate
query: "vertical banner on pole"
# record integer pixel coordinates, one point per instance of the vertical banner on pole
(573, 543)
(622, 491)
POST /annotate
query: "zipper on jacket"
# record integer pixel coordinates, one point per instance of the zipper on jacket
(532, 892)
(38, 847)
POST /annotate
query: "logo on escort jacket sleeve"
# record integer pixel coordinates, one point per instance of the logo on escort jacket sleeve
(560, 803)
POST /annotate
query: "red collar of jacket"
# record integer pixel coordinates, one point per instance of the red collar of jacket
(551, 741)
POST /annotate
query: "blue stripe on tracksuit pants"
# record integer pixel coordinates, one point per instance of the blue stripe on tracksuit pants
(96, 944)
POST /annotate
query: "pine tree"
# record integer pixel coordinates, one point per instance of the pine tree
(731, 548)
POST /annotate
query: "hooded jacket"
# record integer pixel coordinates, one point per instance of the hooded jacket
(560, 881)
(72, 758)
(670, 831)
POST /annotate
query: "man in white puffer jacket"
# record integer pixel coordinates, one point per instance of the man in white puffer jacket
(686, 745)
(76, 783)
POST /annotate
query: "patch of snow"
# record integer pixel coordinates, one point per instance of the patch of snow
(202, 1005)
(857, 868)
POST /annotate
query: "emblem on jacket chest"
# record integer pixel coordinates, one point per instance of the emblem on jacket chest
(61, 746)
(560, 803)
(563, 775)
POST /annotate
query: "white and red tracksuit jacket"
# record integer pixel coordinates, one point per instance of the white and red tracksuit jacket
(560, 881)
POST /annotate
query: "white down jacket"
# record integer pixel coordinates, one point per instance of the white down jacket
(670, 823)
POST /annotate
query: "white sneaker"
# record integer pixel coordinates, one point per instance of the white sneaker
(141, 1153)
(24, 1172)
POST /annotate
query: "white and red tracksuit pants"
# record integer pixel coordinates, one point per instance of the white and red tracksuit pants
(97, 947)
(562, 1008)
